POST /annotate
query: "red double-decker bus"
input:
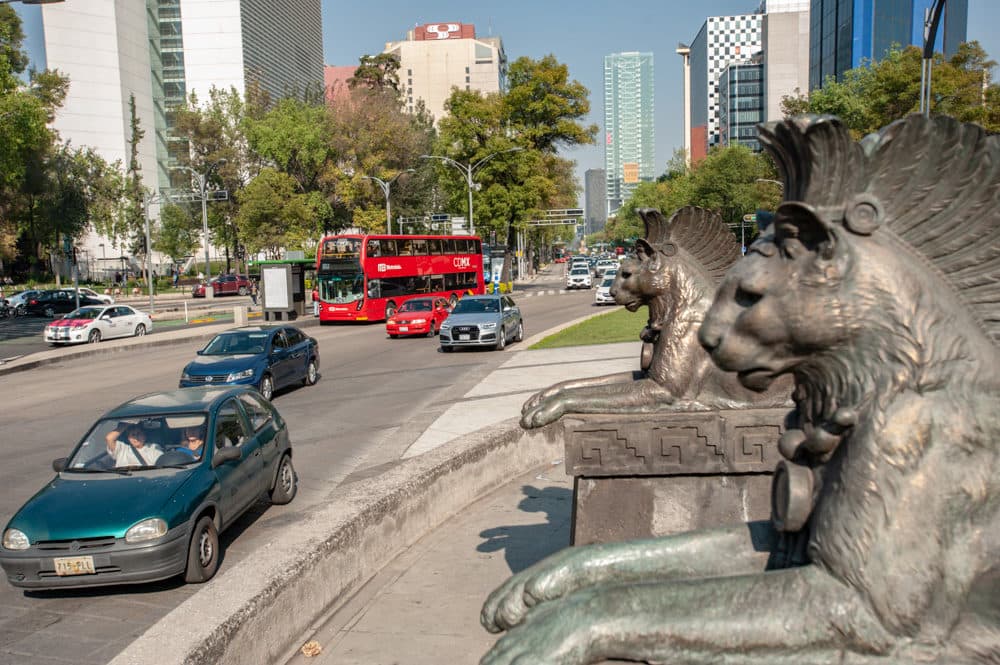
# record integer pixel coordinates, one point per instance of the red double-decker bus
(367, 277)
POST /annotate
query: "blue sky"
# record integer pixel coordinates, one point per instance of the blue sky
(579, 34)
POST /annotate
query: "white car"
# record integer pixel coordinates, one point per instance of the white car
(579, 278)
(106, 299)
(92, 324)
(604, 265)
(603, 294)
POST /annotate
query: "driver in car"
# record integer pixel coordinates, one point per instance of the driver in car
(127, 445)
(192, 442)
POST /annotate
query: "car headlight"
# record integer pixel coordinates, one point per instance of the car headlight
(150, 529)
(14, 539)
(488, 326)
(185, 376)
(235, 376)
(391, 322)
(445, 326)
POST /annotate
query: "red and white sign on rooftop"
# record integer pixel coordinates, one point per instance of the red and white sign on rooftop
(435, 31)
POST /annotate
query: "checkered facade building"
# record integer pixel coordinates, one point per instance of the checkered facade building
(722, 41)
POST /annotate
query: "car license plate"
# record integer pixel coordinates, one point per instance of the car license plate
(463, 338)
(74, 565)
(404, 329)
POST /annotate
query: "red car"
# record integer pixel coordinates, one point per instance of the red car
(224, 285)
(419, 316)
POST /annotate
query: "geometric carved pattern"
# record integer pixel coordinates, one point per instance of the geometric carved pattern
(703, 442)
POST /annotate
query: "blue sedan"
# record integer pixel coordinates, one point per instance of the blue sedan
(268, 357)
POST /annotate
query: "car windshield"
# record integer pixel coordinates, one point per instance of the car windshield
(608, 281)
(474, 306)
(233, 343)
(579, 271)
(416, 306)
(140, 442)
(84, 313)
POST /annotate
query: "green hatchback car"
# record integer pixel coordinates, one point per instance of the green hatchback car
(148, 489)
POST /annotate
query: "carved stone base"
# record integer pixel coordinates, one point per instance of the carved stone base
(644, 476)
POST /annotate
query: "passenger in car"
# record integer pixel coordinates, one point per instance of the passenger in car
(127, 446)
(192, 442)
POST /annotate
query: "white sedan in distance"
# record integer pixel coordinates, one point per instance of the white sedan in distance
(92, 324)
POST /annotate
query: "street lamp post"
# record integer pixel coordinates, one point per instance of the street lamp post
(468, 170)
(386, 185)
(202, 185)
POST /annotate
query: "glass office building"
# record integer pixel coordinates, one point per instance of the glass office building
(843, 34)
(741, 104)
(628, 124)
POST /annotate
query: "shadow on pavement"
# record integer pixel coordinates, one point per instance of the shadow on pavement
(527, 544)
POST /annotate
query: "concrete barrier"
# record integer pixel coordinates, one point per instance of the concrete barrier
(255, 612)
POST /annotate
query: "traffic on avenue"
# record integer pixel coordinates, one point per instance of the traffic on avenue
(373, 395)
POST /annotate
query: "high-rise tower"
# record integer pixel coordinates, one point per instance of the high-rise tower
(628, 124)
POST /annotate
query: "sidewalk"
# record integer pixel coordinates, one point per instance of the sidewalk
(423, 608)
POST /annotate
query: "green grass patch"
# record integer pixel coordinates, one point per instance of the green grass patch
(620, 325)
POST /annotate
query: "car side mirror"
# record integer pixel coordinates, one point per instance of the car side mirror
(106, 317)
(59, 464)
(200, 352)
(227, 454)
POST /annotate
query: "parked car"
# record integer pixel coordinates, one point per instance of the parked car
(482, 321)
(18, 301)
(57, 301)
(579, 278)
(224, 285)
(268, 357)
(102, 521)
(96, 322)
(419, 316)
(90, 293)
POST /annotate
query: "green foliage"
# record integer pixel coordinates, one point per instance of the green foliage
(878, 93)
(731, 180)
(274, 214)
(376, 72)
(179, 233)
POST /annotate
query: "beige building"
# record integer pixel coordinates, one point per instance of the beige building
(436, 57)
(786, 52)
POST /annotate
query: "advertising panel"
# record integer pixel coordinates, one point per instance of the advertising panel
(630, 172)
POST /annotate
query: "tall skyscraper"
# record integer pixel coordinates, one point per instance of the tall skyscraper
(786, 52)
(158, 52)
(844, 33)
(436, 57)
(629, 151)
(721, 42)
(595, 211)
(741, 104)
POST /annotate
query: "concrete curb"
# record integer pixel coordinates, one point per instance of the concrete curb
(255, 613)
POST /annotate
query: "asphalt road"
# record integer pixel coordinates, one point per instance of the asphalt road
(375, 397)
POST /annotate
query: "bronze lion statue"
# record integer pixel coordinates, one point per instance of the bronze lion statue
(876, 286)
(675, 272)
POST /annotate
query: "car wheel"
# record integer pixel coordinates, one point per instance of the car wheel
(390, 309)
(520, 331)
(203, 552)
(140, 330)
(242, 291)
(447, 349)
(20, 310)
(501, 338)
(49, 312)
(312, 374)
(286, 484)
(430, 331)
(266, 386)
(94, 337)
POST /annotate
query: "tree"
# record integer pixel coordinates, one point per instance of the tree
(274, 214)
(878, 93)
(179, 233)
(539, 114)
(376, 72)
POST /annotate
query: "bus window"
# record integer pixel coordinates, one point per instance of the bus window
(451, 282)
(434, 246)
(477, 247)
(450, 246)
(373, 248)
(388, 247)
(404, 247)
(419, 247)
(341, 287)
(437, 283)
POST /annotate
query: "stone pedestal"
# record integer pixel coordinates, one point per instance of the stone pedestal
(644, 476)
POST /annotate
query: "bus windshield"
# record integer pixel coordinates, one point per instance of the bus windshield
(342, 286)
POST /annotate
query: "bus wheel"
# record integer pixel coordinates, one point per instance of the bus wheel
(390, 309)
